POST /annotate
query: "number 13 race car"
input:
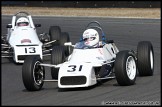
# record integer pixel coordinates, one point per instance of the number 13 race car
(22, 39)
(90, 62)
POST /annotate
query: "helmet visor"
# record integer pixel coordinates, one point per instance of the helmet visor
(23, 24)
(89, 39)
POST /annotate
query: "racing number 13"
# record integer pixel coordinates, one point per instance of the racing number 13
(30, 50)
(73, 68)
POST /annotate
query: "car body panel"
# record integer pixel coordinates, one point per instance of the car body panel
(82, 62)
(23, 40)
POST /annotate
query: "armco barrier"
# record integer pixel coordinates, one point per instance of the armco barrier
(85, 4)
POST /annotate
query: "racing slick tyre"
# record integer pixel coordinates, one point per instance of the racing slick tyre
(65, 38)
(55, 33)
(57, 57)
(33, 74)
(145, 58)
(125, 68)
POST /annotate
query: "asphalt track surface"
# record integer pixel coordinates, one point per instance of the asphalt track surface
(125, 32)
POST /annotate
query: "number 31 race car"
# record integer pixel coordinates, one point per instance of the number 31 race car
(22, 39)
(85, 66)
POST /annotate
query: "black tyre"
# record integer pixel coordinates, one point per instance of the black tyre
(65, 38)
(33, 74)
(57, 57)
(55, 33)
(125, 68)
(145, 58)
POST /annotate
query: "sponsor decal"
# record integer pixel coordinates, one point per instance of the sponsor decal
(26, 41)
(99, 58)
(100, 51)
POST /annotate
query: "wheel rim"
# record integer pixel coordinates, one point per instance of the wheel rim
(151, 60)
(131, 67)
(38, 73)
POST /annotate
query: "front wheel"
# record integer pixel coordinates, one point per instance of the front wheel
(32, 73)
(125, 68)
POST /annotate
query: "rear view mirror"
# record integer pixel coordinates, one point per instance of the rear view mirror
(9, 26)
(68, 44)
(37, 25)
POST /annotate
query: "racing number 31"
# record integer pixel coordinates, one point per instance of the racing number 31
(30, 50)
(74, 67)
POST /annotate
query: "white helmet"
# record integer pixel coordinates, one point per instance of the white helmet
(91, 37)
(22, 22)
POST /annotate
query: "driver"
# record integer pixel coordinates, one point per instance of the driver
(91, 38)
(22, 22)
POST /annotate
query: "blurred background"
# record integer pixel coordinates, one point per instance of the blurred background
(85, 4)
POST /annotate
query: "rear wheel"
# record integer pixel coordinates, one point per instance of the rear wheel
(57, 57)
(125, 68)
(145, 58)
(32, 73)
(55, 33)
(65, 38)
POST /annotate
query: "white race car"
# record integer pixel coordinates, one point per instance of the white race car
(85, 66)
(22, 39)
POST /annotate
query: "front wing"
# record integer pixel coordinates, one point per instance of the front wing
(76, 75)
(20, 52)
